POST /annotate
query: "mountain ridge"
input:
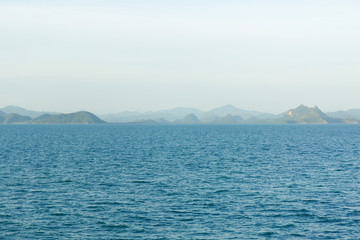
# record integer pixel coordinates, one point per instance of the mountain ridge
(227, 114)
(179, 113)
(23, 111)
(304, 114)
(81, 117)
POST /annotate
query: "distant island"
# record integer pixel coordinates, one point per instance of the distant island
(227, 114)
(82, 117)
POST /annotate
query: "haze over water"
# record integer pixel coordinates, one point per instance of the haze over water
(108, 56)
(179, 182)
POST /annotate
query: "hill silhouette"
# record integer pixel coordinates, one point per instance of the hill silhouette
(74, 118)
(189, 119)
(304, 114)
(16, 118)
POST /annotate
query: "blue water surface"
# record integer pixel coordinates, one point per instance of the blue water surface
(179, 182)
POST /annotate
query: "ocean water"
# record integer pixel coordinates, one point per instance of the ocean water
(179, 182)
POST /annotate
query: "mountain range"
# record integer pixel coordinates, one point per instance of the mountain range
(227, 114)
(177, 114)
(55, 118)
(24, 112)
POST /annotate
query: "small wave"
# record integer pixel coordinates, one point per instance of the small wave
(68, 224)
(186, 219)
(267, 234)
(289, 225)
(356, 221)
(278, 215)
(141, 181)
(142, 218)
(297, 235)
(353, 213)
(107, 184)
(179, 211)
(118, 226)
(225, 177)
(66, 181)
(108, 203)
(310, 201)
(222, 191)
(58, 214)
(329, 220)
(303, 215)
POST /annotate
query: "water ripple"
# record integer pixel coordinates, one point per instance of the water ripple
(179, 182)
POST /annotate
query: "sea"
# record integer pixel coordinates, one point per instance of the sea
(117, 181)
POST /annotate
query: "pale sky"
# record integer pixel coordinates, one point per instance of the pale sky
(109, 56)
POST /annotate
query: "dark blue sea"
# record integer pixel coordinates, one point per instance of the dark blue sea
(179, 182)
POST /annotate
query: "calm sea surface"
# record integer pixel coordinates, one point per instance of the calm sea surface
(179, 182)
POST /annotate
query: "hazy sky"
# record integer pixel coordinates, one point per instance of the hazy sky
(108, 56)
